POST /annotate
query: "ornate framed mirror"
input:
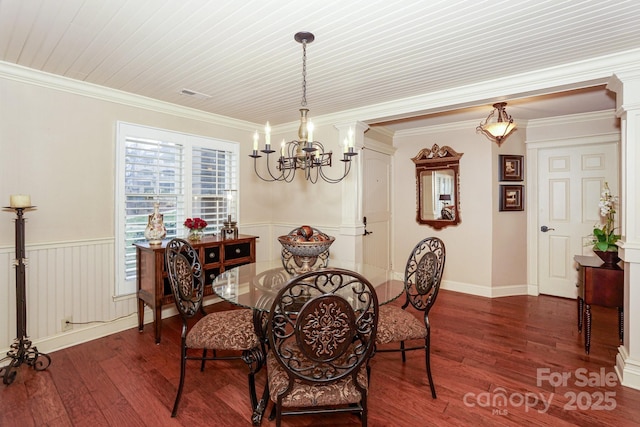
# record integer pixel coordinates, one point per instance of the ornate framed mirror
(437, 186)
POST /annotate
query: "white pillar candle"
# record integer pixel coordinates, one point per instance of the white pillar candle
(20, 201)
(267, 134)
(310, 131)
(255, 141)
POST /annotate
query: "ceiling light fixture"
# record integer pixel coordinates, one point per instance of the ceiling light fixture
(304, 153)
(501, 128)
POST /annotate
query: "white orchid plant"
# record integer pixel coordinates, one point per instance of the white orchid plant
(604, 237)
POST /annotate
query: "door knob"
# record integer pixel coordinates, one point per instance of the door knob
(544, 229)
(366, 233)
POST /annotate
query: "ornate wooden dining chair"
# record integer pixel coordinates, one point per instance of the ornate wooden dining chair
(422, 277)
(322, 329)
(231, 330)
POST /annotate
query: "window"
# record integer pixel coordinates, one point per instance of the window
(189, 176)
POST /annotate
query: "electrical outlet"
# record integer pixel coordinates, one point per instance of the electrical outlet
(67, 324)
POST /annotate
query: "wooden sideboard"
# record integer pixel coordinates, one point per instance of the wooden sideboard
(598, 285)
(216, 254)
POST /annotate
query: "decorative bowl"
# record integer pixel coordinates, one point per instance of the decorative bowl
(304, 245)
(305, 249)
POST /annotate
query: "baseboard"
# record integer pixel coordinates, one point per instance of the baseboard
(628, 370)
(84, 333)
(78, 335)
(484, 291)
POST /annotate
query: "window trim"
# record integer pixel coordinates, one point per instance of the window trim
(124, 130)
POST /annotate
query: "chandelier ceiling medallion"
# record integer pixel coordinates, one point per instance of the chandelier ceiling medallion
(303, 154)
(501, 128)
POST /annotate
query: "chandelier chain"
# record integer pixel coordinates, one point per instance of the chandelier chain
(304, 73)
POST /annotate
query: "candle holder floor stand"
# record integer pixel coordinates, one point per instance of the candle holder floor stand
(21, 351)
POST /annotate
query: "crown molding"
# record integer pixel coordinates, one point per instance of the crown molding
(27, 75)
(523, 124)
(378, 146)
(587, 73)
(603, 138)
(444, 127)
(571, 119)
(576, 75)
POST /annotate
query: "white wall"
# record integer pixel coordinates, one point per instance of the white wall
(57, 143)
(509, 228)
(486, 252)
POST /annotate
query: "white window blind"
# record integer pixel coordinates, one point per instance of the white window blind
(187, 175)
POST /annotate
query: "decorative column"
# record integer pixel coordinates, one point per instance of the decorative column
(21, 350)
(352, 227)
(627, 87)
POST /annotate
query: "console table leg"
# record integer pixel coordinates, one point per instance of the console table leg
(580, 313)
(587, 335)
(621, 324)
(140, 315)
(157, 322)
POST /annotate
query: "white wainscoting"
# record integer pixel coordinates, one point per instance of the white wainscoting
(64, 279)
(77, 278)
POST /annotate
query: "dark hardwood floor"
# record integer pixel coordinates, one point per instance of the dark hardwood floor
(495, 363)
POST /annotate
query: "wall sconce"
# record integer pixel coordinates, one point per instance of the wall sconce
(501, 128)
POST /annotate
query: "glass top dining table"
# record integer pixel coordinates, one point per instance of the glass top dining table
(256, 285)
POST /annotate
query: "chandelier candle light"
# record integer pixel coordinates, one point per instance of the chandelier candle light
(304, 153)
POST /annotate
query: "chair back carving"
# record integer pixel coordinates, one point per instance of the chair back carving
(323, 326)
(185, 276)
(423, 273)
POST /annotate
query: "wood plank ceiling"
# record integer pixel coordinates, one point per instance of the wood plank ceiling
(242, 55)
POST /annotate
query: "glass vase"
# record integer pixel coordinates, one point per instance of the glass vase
(195, 234)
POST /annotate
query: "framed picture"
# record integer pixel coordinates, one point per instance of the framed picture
(511, 167)
(511, 198)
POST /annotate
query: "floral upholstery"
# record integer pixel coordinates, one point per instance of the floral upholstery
(422, 278)
(341, 392)
(322, 328)
(396, 324)
(225, 330)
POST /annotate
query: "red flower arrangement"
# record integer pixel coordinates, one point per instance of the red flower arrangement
(195, 223)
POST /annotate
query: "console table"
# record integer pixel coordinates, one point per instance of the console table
(598, 285)
(216, 254)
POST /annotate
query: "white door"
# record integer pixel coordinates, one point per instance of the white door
(376, 191)
(570, 181)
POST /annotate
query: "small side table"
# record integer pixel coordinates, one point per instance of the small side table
(598, 285)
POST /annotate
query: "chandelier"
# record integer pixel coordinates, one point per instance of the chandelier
(501, 128)
(304, 153)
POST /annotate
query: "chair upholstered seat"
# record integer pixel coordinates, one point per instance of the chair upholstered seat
(231, 330)
(342, 392)
(322, 329)
(422, 278)
(396, 324)
(225, 330)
